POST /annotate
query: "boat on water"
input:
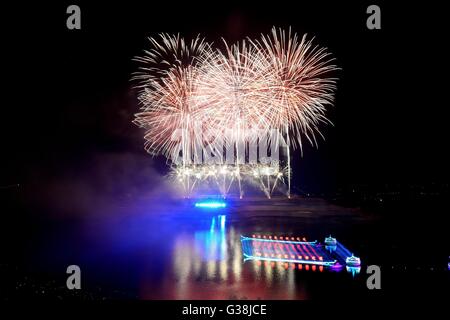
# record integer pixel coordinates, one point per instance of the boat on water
(330, 241)
(353, 261)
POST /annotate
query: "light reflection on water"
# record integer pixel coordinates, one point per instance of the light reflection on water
(353, 270)
(161, 249)
(208, 264)
(211, 254)
(181, 252)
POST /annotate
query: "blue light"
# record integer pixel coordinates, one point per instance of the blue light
(210, 204)
(211, 244)
(222, 223)
(353, 270)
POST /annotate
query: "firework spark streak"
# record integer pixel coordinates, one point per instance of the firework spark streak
(198, 101)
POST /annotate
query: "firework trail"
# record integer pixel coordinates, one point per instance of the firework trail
(299, 86)
(168, 83)
(198, 99)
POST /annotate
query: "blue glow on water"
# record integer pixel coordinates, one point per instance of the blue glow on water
(210, 204)
(222, 223)
(211, 244)
(353, 270)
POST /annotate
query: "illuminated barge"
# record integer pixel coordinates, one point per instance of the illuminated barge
(298, 250)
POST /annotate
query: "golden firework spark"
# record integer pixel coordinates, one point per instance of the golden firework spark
(196, 99)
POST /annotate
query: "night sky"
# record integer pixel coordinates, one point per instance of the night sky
(69, 102)
(73, 164)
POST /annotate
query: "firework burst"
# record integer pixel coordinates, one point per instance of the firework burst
(299, 89)
(196, 100)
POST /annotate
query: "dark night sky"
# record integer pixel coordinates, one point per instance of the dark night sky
(68, 95)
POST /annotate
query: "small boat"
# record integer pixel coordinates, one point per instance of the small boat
(330, 241)
(353, 261)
